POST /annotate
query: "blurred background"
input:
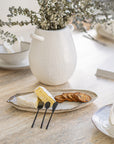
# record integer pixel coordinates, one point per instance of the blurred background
(5, 4)
(31, 4)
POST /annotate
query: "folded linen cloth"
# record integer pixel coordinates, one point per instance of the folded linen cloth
(111, 118)
(16, 47)
(106, 30)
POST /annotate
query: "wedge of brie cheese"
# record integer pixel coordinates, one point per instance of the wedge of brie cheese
(112, 115)
(29, 100)
(44, 95)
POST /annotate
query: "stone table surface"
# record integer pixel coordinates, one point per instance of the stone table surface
(66, 128)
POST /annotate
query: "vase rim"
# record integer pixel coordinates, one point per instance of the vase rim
(52, 30)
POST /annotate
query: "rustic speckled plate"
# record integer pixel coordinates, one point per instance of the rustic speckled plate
(62, 107)
(101, 120)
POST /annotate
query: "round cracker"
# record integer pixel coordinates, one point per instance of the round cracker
(59, 99)
(65, 95)
(82, 97)
(70, 96)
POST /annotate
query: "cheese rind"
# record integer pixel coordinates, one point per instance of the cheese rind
(28, 100)
(112, 115)
(44, 95)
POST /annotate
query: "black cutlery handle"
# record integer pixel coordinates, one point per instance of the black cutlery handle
(43, 119)
(53, 110)
(49, 120)
(35, 118)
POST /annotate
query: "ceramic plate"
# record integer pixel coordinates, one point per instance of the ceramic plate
(22, 65)
(62, 107)
(101, 121)
(104, 41)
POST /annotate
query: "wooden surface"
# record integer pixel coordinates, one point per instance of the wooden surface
(69, 128)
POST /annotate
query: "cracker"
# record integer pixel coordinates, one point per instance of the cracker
(83, 97)
(59, 98)
(65, 95)
(73, 97)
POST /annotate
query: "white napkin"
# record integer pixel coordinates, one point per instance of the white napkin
(111, 118)
(106, 30)
(16, 47)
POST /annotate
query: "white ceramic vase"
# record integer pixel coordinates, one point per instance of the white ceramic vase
(52, 55)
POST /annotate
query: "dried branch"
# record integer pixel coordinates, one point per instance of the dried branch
(56, 14)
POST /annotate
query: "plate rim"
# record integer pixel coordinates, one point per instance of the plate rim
(94, 122)
(15, 67)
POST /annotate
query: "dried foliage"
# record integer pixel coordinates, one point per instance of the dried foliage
(56, 14)
(92, 12)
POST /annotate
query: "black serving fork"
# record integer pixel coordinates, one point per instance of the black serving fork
(53, 109)
(47, 105)
(40, 106)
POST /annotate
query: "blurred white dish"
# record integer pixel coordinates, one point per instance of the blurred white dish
(106, 30)
(16, 47)
(17, 57)
(112, 115)
(101, 121)
(22, 65)
(92, 35)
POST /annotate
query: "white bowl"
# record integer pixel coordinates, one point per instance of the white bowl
(17, 57)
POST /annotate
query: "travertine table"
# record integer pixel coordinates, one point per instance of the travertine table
(66, 128)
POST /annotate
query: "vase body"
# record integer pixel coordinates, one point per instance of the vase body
(52, 56)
